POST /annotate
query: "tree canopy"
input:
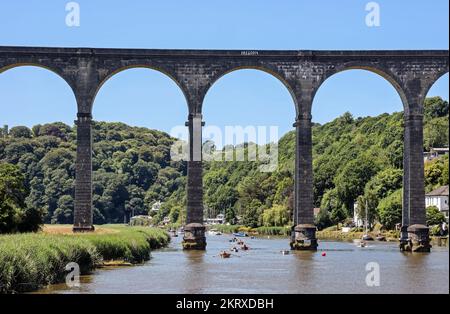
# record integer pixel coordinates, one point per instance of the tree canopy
(355, 160)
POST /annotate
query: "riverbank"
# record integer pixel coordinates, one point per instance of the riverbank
(274, 231)
(327, 234)
(391, 236)
(33, 260)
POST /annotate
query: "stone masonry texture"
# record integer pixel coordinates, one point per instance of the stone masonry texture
(410, 72)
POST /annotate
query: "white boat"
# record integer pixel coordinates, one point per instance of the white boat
(214, 233)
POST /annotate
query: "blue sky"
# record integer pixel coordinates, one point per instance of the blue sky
(248, 97)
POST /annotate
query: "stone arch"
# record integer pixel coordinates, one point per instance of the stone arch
(114, 72)
(272, 72)
(436, 77)
(384, 73)
(384, 78)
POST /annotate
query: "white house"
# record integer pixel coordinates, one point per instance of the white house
(435, 153)
(219, 220)
(438, 198)
(156, 206)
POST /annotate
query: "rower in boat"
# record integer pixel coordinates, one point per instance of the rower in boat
(224, 254)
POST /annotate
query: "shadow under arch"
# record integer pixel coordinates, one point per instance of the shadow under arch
(139, 66)
(44, 67)
(389, 77)
(262, 69)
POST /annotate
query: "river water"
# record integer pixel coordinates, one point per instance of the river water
(263, 269)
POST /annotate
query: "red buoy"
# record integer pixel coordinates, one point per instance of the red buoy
(324, 254)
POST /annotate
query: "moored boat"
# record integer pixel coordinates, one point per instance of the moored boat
(367, 237)
(380, 238)
(214, 232)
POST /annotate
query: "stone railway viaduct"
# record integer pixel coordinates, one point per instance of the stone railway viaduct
(411, 73)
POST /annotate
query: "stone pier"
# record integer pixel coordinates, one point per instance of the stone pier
(304, 231)
(194, 231)
(83, 185)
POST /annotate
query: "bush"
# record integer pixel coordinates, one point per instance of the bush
(323, 219)
(390, 210)
(434, 216)
(143, 221)
(435, 230)
(20, 132)
(13, 214)
(29, 261)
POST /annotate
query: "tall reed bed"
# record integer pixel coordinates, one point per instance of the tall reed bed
(30, 261)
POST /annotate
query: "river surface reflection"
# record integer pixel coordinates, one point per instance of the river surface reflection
(263, 269)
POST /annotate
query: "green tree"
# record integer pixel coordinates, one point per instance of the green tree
(435, 133)
(20, 132)
(57, 129)
(436, 173)
(435, 107)
(252, 214)
(351, 181)
(276, 216)
(12, 198)
(63, 214)
(390, 210)
(385, 182)
(434, 216)
(338, 214)
(323, 219)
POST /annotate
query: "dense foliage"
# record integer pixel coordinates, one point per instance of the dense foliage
(132, 169)
(355, 160)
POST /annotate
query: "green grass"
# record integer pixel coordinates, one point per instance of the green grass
(30, 261)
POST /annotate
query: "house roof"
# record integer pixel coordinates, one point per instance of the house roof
(442, 191)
